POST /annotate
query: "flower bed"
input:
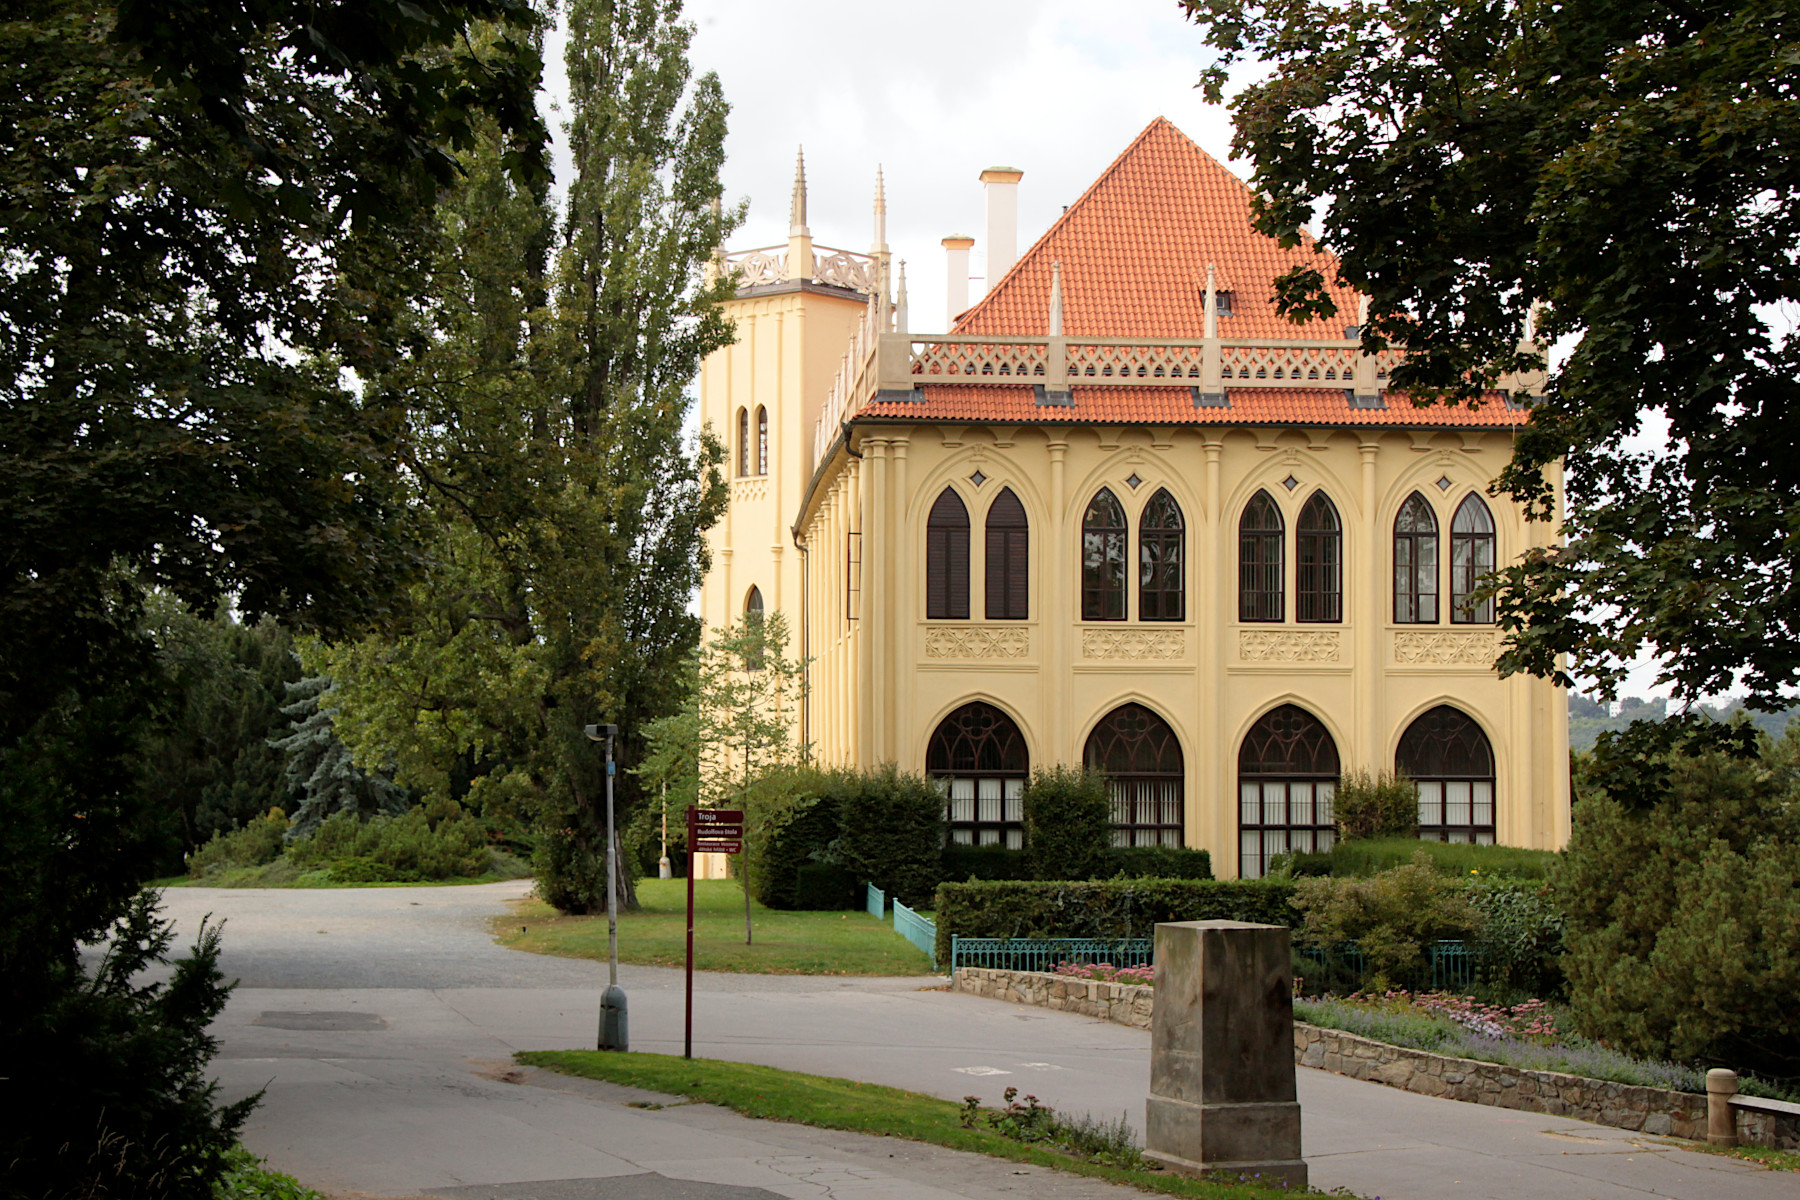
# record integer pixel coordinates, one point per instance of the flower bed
(1141, 976)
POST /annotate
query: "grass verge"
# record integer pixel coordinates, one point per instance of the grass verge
(1775, 1160)
(784, 943)
(770, 1094)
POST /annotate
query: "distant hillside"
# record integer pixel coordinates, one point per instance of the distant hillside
(1588, 719)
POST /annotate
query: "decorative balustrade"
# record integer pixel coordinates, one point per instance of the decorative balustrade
(839, 268)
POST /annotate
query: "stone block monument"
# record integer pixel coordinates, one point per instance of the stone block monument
(1222, 1097)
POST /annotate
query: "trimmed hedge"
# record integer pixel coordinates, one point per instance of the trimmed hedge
(1372, 857)
(1114, 908)
(825, 887)
(963, 863)
(798, 838)
(893, 834)
(1157, 862)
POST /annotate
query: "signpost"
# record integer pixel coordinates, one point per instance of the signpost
(709, 831)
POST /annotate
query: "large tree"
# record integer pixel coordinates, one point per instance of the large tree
(209, 219)
(568, 509)
(1629, 168)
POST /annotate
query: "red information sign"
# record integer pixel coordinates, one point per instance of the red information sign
(718, 816)
(718, 846)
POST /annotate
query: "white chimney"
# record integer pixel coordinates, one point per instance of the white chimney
(956, 276)
(1002, 184)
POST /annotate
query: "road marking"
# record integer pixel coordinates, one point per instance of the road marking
(1041, 1066)
(980, 1071)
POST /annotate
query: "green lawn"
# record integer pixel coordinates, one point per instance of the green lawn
(772, 1094)
(784, 943)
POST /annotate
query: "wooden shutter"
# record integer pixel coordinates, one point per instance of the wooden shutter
(947, 559)
(1008, 559)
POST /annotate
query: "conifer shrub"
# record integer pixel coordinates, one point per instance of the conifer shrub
(1375, 805)
(259, 841)
(1681, 894)
(434, 840)
(798, 831)
(894, 834)
(1112, 908)
(1068, 822)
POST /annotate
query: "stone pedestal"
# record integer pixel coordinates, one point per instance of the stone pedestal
(1222, 1097)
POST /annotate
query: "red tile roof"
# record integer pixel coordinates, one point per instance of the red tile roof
(1016, 405)
(1134, 251)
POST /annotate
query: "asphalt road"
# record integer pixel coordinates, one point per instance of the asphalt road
(381, 1023)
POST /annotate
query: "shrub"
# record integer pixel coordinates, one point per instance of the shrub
(1068, 822)
(114, 1068)
(963, 863)
(1157, 862)
(793, 819)
(435, 840)
(258, 842)
(1375, 805)
(825, 887)
(1520, 944)
(1391, 917)
(1681, 892)
(1114, 908)
(894, 834)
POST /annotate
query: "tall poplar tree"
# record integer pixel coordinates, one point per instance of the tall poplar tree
(571, 510)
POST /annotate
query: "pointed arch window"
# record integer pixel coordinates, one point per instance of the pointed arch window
(1103, 546)
(1141, 757)
(1471, 561)
(1260, 535)
(1287, 782)
(743, 446)
(1008, 559)
(762, 440)
(979, 754)
(1451, 763)
(947, 559)
(753, 623)
(1416, 563)
(1319, 562)
(1162, 536)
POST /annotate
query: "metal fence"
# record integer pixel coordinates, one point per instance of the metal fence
(1452, 966)
(875, 900)
(917, 930)
(1042, 954)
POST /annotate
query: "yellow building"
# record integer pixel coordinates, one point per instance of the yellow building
(1123, 513)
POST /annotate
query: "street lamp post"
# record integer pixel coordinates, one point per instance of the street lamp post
(613, 1033)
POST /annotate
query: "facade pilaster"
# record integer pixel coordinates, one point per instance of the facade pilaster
(1059, 610)
(1364, 586)
(1213, 784)
(902, 555)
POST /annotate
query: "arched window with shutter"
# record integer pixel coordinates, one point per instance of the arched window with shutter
(753, 625)
(1471, 561)
(947, 559)
(743, 446)
(762, 440)
(1141, 757)
(1103, 546)
(1260, 534)
(1287, 782)
(1008, 559)
(1162, 581)
(1416, 563)
(980, 755)
(1451, 763)
(1319, 562)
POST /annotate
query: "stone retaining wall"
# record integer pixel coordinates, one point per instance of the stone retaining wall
(1623, 1106)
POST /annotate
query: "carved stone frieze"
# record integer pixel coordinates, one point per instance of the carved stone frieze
(977, 641)
(1442, 647)
(750, 487)
(1156, 645)
(1289, 645)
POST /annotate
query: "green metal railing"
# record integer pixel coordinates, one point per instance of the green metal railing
(917, 930)
(1042, 954)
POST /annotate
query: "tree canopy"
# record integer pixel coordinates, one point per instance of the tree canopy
(1622, 175)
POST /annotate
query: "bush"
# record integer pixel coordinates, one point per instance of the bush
(1375, 805)
(1681, 892)
(113, 1071)
(1068, 822)
(825, 887)
(793, 819)
(435, 840)
(258, 842)
(1391, 917)
(1520, 944)
(963, 863)
(1114, 908)
(894, 834)
(1363, 859)
(1156, 862)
